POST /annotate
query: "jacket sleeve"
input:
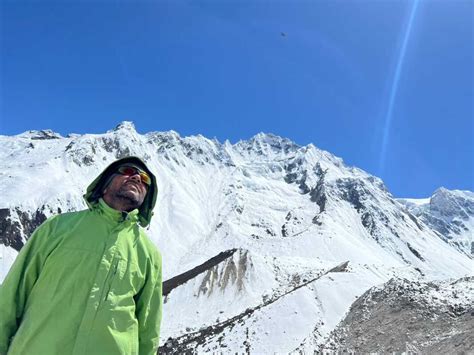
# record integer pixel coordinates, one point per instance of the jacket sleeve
(21, 278)
(149, 304)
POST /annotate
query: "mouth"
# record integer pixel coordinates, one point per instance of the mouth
(135, 185)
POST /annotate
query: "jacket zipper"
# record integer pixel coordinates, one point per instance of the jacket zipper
(111, 280)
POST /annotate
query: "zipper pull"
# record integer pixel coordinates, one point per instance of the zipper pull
(115, 267)
(112, 280)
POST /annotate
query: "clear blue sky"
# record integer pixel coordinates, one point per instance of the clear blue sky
(315, 71)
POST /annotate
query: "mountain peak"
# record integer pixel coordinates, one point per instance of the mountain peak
(263, 143)
(441, 190)
(125, 125)
(40, 134)
(269, 138)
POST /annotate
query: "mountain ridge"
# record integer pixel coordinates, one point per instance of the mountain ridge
(291, 211)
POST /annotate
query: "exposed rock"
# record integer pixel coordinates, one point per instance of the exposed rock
(180, 279)
(409, 316)
(318, 193)
(17, 226)
(44, 134)
(450, 213)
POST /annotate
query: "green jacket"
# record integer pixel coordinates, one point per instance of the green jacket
(86, 282)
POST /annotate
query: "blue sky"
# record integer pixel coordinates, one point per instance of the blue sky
(316, 71)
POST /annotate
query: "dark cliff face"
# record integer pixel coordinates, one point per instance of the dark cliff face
(295, 173)
(359, 195)
(17, 226)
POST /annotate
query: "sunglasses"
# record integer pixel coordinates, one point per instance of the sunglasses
(130, 171)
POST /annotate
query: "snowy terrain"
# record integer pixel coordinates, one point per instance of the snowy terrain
(292, 213)
(450, 213)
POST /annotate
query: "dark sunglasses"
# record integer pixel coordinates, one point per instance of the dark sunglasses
(130, 171)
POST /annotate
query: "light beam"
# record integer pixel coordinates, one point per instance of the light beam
(394, 89)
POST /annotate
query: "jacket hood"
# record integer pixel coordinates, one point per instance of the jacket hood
(94, 191)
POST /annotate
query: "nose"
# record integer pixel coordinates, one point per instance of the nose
(136, 177)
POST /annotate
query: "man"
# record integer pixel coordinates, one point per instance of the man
(89, 282)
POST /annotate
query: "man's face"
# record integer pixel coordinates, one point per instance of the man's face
(127, 187)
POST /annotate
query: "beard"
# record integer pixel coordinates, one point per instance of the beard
(131, 198)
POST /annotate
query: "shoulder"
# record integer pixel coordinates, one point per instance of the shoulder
(54, 225)
(68, 217)
(73, 214)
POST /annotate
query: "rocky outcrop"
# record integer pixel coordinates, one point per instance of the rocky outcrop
(404, 316)
(16, 226)
(44, 134)
(360, 196)
(207, 266)
(450, 213)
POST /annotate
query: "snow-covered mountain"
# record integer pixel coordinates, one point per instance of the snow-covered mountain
(451, 213)
(266, 244)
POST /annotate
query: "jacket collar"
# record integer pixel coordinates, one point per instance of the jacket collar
(114, 215)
